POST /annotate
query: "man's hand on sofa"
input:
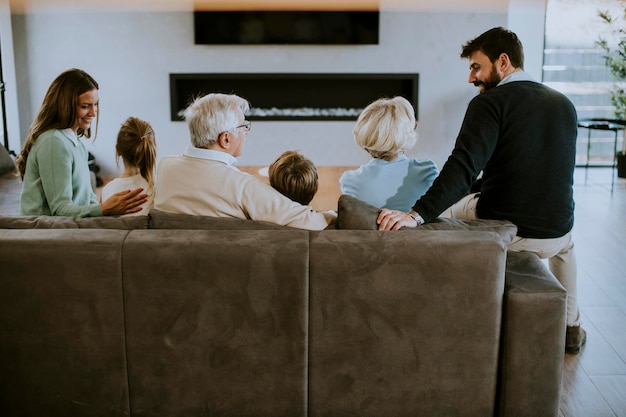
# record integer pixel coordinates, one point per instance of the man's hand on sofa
(394, 220)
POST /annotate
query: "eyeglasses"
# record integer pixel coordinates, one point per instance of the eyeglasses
(247, 125)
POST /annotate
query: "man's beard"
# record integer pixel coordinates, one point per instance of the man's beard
(490, 83)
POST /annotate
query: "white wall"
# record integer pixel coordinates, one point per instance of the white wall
(8, 75)
(527, 19)
(132, 54)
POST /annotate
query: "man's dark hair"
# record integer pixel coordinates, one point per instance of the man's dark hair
(494, 42)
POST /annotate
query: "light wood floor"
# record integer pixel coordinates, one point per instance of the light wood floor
(594, 381)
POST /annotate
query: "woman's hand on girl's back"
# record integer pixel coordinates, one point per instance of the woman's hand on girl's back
(124, 202)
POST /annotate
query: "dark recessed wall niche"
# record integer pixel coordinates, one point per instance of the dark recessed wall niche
(295, 96)
(286, 27)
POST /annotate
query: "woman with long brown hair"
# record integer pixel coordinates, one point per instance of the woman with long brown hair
(53, 162)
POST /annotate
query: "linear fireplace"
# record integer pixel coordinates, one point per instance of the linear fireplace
(295, 96)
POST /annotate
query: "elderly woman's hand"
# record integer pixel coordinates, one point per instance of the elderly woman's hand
(124, 202)
(394, 220)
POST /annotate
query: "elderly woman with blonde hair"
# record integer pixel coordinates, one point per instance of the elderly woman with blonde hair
(386, 129)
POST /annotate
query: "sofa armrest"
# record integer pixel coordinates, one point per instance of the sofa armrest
(533, 339)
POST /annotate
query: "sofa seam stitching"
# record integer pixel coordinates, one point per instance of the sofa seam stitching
(308, 326)
(130, 408)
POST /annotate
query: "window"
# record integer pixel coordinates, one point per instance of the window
(574, 65)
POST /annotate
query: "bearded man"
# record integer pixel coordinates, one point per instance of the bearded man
(521, 135)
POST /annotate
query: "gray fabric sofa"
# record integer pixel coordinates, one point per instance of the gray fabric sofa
(174, 315)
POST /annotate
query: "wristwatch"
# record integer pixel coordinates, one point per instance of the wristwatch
(416, 216)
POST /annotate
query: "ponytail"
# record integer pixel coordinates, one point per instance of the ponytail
(137, 146)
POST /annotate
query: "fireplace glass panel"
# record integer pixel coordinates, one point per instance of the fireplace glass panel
(295, 96)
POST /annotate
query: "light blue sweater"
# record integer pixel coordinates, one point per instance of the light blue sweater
(57, 181)
(394, 184)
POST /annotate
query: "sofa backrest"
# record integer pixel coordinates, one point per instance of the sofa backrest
(164, 220)
(64, 222)
(62, 319)
(217, 321)
(404, 323)
(354, 214)
(235, 321)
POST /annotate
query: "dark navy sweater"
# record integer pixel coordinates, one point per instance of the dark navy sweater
(522, 135)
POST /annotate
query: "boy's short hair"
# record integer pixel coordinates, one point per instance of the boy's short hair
(294, 176)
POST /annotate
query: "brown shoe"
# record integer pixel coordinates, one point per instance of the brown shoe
(575, 338)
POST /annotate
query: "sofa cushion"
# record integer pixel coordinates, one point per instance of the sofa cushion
(62, 319)
(356, 214)
(164, 220)
(62, 222)
(216, 322)
(400, 326)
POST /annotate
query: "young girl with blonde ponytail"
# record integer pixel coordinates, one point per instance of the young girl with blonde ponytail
(136, 146)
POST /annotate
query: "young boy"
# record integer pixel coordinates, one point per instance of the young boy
(294, 176)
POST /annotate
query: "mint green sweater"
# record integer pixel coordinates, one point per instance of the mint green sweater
(57, 181)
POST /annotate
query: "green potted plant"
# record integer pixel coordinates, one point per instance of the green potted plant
(616, 63)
